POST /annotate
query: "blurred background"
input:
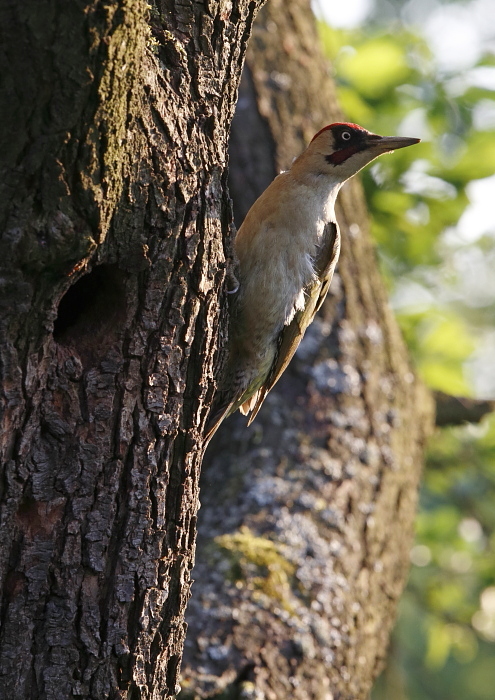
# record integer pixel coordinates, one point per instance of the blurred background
(427, 68)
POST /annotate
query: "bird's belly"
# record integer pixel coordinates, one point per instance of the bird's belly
(270, 303)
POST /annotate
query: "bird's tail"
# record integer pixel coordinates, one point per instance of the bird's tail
(242, 390)
(222, 407)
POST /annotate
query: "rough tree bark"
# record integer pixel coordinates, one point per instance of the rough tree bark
(307, 516)
(114, 214)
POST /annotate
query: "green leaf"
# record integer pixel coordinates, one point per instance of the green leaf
(477, 160)
(377, 66)
(448, 337)
(439, 644)
(355, 108)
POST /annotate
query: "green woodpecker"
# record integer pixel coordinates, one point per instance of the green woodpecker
(287, 248)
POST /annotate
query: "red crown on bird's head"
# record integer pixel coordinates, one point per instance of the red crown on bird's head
(331, 126)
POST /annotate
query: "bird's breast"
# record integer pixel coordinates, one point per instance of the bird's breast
(276, 247)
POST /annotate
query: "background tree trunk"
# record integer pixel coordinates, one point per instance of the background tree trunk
(114, 210)
(307, 517)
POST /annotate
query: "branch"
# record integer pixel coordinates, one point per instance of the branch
(456, 410)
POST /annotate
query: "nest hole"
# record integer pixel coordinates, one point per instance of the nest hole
(92, 312)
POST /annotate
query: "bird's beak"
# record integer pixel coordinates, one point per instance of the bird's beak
(385, 144)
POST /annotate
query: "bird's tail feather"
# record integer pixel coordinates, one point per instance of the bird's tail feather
(220, 410)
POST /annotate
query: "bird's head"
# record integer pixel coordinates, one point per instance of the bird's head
(340, 150)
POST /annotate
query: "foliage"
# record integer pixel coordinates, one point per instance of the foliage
(439, 279)
(445, 637)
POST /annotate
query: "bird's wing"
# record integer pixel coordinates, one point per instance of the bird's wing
(292, 334)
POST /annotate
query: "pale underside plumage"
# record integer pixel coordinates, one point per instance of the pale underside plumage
(250, 400)
(292, 334)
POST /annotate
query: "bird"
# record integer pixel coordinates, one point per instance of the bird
(287, 248)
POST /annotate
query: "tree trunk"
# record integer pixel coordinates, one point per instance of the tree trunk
(114, 214)
(307, 517)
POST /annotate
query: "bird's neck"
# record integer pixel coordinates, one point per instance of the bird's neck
(328, 200)
(323, 189)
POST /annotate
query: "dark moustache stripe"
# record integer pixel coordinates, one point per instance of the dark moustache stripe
(343, 154)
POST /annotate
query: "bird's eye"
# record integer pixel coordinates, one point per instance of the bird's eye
(346, 135)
